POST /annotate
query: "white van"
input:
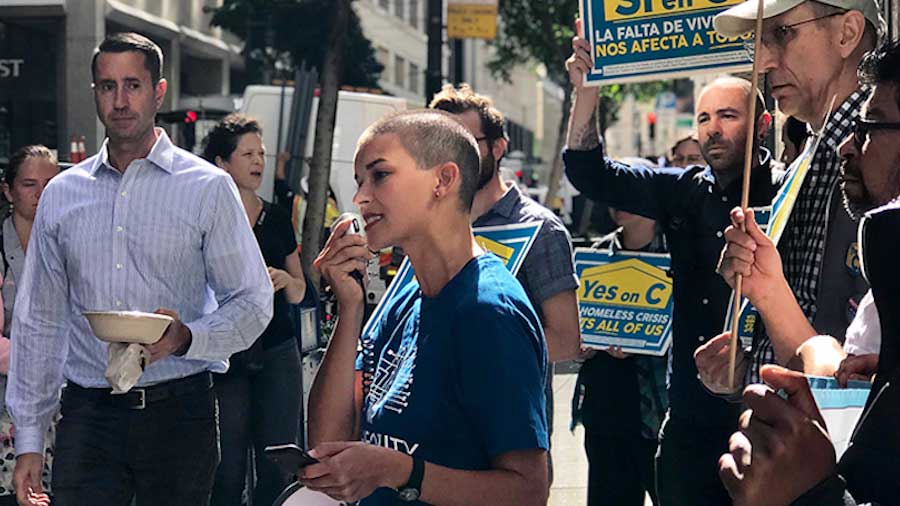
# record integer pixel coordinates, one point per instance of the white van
(355, 112)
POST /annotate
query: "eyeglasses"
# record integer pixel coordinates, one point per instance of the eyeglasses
(862, 127)
(779, 37)
(482, 138)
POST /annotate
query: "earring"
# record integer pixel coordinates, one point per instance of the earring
(437, 194)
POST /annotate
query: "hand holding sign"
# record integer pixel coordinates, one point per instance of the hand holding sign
(782, 449)
(752, 255)
(579, 64)
(857, 367)
(712, 364)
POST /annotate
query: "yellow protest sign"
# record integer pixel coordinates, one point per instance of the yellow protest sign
(502, 251)
(624, 299)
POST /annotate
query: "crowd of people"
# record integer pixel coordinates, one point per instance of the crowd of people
(447, 399)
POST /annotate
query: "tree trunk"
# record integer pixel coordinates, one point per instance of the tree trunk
(320, 166)
(556, 168)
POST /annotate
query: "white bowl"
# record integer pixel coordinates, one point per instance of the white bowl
(128, 326)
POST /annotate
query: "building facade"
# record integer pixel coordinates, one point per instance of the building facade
(531, 102)
(47, 46)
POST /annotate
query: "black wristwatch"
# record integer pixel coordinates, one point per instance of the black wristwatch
(413, 488)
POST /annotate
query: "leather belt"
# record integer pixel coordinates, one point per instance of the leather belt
(141, 397)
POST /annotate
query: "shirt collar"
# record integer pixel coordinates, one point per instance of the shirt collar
(840, 123)
(162, 154)
(507, 204)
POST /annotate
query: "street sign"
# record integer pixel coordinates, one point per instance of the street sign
(644, 40)
(624, 299)
(472, 19)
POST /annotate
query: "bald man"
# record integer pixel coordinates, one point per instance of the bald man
(692, 206)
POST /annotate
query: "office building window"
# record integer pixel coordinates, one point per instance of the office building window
(399, 70)
(413, 77)
(399, 11)
(383, 4)
(414, 14)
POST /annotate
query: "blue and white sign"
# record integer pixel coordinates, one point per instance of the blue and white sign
(624, 299)
(511, 243)
(644, 40)
(840, 407)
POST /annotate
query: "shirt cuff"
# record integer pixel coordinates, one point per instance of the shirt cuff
(586, 156)
(830, 492)
(29, 440)
(199, 340)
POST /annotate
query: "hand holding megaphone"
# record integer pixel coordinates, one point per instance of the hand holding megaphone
(355, 228)
(343, 260)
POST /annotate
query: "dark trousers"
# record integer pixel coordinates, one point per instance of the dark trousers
(110, 454)
(257, 410)
(687, 464)
(620, 469)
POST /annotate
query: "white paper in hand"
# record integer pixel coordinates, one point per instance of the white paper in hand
(126, 364)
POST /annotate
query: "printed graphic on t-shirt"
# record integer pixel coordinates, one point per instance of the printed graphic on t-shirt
(393, 376)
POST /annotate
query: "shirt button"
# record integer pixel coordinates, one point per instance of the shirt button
(701, 338)
(119, 266)
(719, 233)
(118, 302)
(705, 301)
(119, 228)
(724, 198)
(124, 193)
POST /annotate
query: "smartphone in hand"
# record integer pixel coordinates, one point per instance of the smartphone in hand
(290, 457)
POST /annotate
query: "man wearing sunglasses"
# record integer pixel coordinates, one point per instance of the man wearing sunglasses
(782, 455)
(809, 52)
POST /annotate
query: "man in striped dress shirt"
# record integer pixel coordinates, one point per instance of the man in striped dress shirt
(141, 226)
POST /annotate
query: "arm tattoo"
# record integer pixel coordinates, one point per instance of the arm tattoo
(586, 137)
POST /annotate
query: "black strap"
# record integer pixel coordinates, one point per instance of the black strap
(3, 252)
(415, 476)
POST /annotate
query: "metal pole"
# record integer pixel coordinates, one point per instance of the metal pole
(435, 30)
(457, 61)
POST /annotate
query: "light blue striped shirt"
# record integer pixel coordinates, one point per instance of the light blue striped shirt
(170, 232)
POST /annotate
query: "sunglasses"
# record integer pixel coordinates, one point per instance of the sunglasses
(862, 127)
(779, 37)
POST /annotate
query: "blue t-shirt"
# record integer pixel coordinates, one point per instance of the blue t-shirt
(456, 379)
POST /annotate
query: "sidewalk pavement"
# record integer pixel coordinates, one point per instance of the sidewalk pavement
(570, 467)
(569, 461)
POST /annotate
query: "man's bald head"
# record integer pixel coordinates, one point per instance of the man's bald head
(737, 82)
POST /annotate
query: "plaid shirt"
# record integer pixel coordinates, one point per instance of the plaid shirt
(803, 245)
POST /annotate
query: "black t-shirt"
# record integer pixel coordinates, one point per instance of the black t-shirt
(275, 236)
(611, 404)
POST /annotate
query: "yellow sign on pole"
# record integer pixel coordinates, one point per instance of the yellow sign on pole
(472, 19)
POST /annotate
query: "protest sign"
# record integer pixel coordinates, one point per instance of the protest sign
(510, 243)
(624, 299)
(840, 407)
(643, 40)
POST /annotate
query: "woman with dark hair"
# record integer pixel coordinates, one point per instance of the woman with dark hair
(260, 396)
(30, 169)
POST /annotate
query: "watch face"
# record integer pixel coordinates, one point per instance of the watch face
(409, 494)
